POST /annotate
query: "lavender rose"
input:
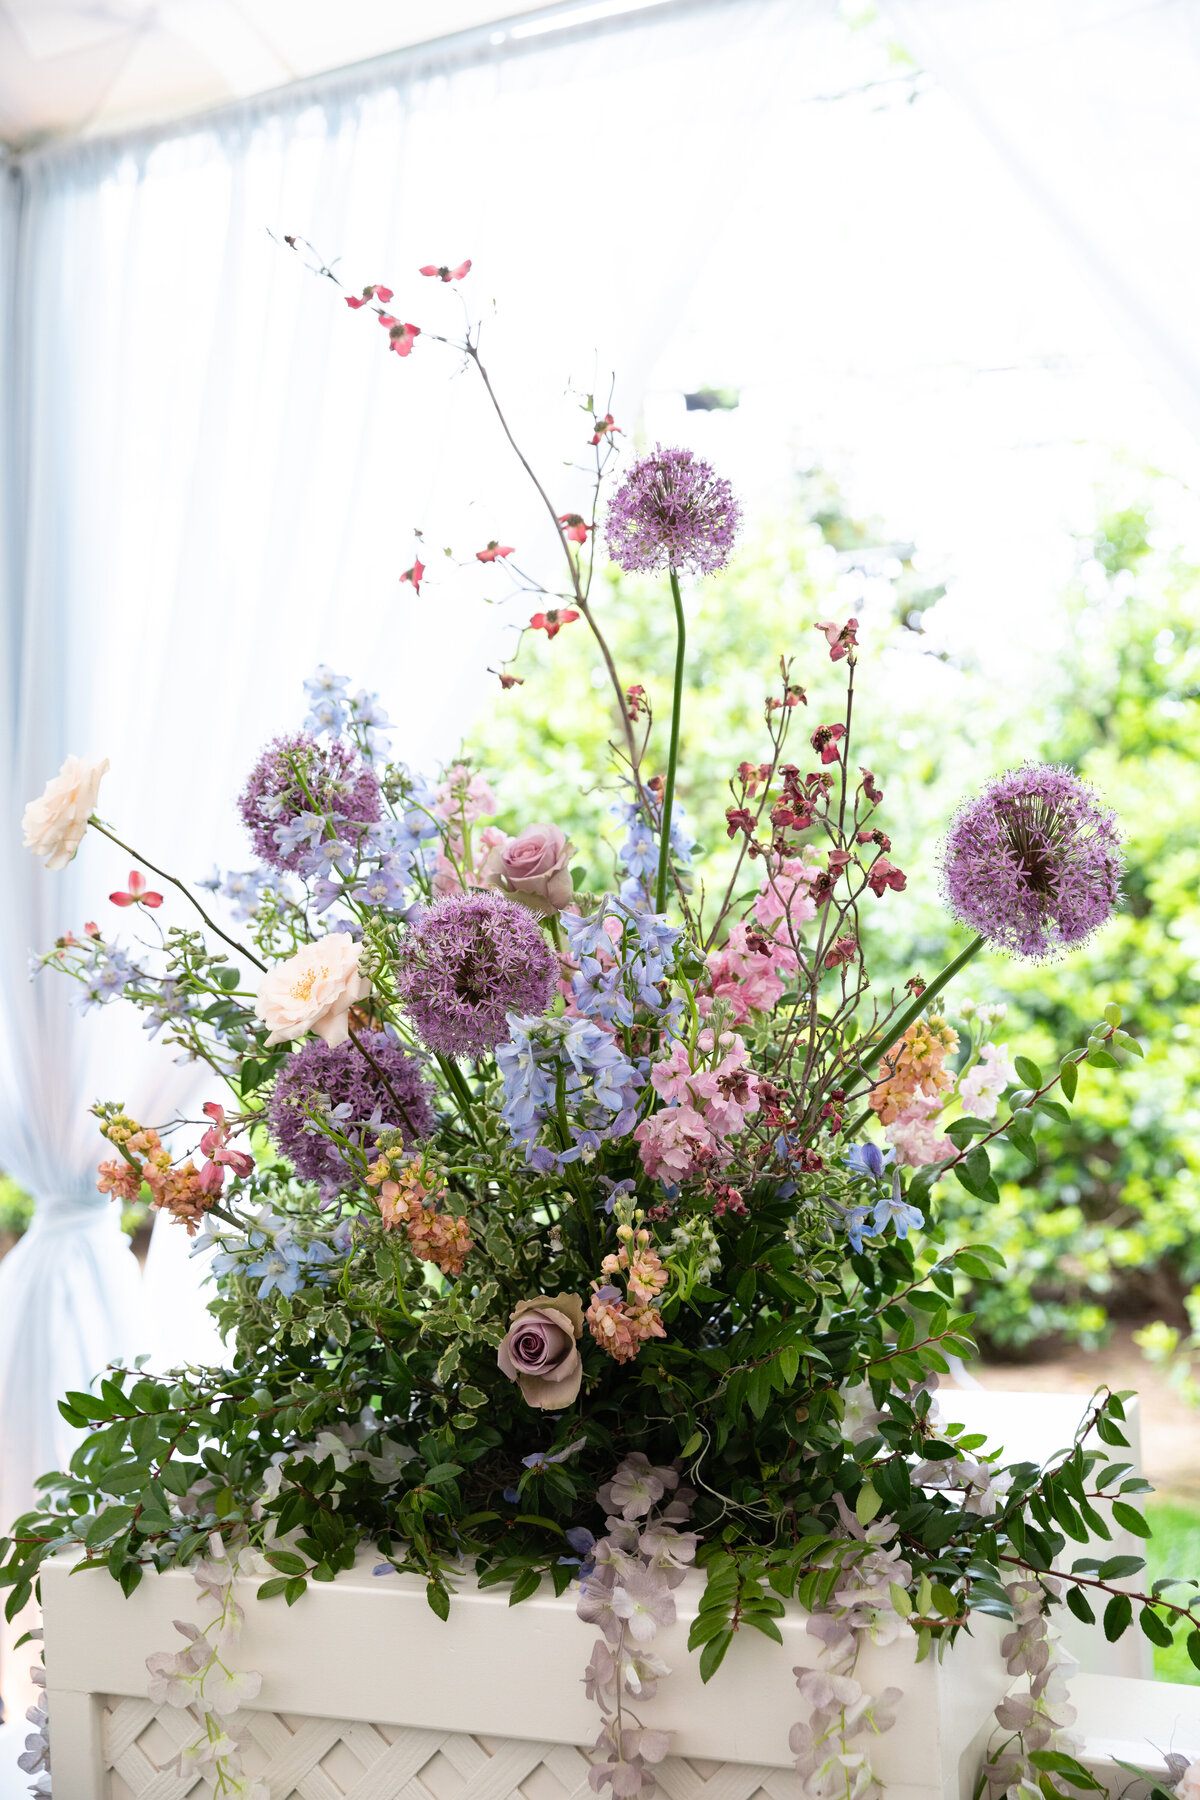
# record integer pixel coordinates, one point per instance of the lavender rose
(533, 868)
(541, 1351)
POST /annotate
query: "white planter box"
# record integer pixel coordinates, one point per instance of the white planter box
(367, 1696)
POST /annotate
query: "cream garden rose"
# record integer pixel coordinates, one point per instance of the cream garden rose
(313, 991)
(54, 824)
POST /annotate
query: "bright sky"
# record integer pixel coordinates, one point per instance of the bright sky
(903, 314)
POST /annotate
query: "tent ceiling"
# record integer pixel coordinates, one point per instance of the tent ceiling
(81, 67)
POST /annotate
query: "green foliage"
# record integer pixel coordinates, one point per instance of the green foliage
(1107, 1218)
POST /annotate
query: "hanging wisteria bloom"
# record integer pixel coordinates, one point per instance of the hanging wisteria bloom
(336, 1085)
(293, 786)
(1033, 863)
(472, 960)
(672, 510)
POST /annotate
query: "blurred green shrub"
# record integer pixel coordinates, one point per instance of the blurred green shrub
(1109, 1221)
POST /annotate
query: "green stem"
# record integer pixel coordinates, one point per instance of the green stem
(461, 1093)
(668, 802)
(899, 1026)
(186, 891)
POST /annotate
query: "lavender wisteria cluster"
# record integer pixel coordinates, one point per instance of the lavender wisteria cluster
(547, 1221)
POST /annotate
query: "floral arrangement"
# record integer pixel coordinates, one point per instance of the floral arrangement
(592, 1238)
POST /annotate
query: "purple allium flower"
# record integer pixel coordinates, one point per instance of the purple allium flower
(672, 509)
(341, 1080)
(1034, 862)
(472, 960)
(295, 776)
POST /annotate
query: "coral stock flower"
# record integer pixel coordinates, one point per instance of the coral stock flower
(444, 272)
(375, 292)
(137, 895)
(494, 549)
(416, 575)
(575, 527)
(552, 620)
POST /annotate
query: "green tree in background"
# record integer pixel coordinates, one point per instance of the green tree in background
(1109, 1220)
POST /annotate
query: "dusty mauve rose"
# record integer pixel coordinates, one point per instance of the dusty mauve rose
(533, 868)
(313, 991)
(540, 1350)
(55, 822)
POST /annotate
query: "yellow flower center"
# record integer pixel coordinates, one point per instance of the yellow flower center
(302, 989)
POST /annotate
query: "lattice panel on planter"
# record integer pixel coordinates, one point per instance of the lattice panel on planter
(341, 1759)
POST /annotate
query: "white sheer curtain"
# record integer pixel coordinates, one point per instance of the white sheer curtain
(1091, 105)
(214, 472)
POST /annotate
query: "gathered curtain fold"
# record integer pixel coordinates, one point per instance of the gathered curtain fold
(211, 482)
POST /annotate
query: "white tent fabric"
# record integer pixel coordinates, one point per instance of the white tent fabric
(1091, 104)
(214, 474)
(210, 482)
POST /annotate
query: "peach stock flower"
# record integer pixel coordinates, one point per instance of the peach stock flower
(55, 822)
(313, 991)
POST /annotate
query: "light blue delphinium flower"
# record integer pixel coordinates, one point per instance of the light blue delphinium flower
(895, 1207)
(870, 1159)
(854, 1220)
(285, 1264)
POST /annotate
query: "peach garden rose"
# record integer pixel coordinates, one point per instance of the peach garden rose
(313, 991)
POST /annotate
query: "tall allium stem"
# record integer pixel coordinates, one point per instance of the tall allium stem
(186, 891)
(668, 801)
(899, 1026)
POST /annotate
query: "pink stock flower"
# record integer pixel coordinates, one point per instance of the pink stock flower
(444, 272)
(214, 1145)
(494, 549)
(981, 1087)
(461, 795)
(914, 1135)
(747, 972)
(674, 1143)
(137, 895)
(725, 1095)
(785, 895)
